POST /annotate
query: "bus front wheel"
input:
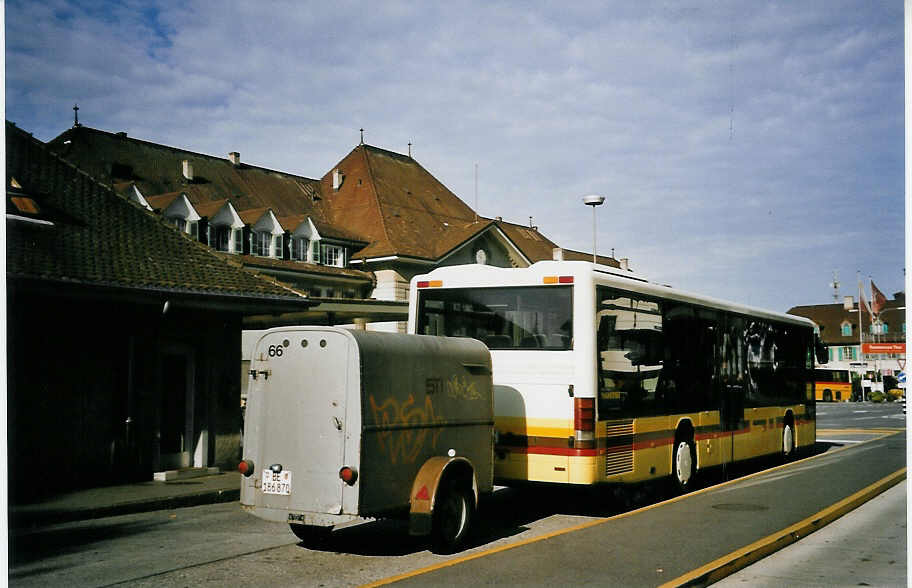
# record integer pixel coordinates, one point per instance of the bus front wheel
(683, 465)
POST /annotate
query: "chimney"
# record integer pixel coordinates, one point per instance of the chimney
(848, 303)
(188, 170)
(498, 219)
(557, 254)
(235, 158)
(625, 264)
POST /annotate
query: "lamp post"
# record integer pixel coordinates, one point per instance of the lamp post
(593, 200)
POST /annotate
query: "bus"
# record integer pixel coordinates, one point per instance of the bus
(832, 385)
(601, 377)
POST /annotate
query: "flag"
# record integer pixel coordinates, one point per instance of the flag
(866, 306)
(878, 300)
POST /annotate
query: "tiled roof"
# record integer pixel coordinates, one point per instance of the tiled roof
(830, 318)
(387, 201)
(299, 266)
(100, 239)
(156, 169)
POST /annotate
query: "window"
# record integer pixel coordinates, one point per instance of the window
(222, 238)
(262, 243)
(299, 248)
(333, 255)
(277, 243)
(528, 317)
(846, 329)
(630, 354)
(180, 223)
(238, 240)
(847, 354)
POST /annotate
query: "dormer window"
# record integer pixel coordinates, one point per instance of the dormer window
(846, 329)
(332, 255)
(299, 248)
(262, 244)
(338, 178)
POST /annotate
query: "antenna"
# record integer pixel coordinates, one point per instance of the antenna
(835, 286)
(476, 192)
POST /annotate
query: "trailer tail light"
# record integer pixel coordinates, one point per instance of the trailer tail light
(246, 468)
(430, 284)
(584, 423)
(557, 280)
(348, 475)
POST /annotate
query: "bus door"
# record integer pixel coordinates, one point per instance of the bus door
(732, 375)
(731, 417)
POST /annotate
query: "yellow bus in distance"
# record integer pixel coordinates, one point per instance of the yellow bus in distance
(832, 385)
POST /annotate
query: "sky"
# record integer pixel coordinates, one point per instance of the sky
(745, 150)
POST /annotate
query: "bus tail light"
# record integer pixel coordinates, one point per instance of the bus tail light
(557, 280)
(584, 423)
(430, 284)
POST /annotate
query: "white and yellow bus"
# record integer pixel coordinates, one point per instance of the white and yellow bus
(603, 377)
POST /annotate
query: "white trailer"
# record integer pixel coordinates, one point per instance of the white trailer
(342, 425)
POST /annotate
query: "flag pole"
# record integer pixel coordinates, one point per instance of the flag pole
(860, 338)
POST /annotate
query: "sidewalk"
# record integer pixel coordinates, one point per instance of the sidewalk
(866, 547)
(130, 498)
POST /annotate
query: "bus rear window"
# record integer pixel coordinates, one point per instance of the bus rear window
(525, 317)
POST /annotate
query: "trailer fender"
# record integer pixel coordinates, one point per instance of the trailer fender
(426, 484)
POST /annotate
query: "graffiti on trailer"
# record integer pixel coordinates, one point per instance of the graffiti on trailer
(462, 388)
(406, 427)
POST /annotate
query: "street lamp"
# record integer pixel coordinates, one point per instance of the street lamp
(593, 200)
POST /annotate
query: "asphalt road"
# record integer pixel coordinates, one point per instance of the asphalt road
(860, 415)
(222, 545)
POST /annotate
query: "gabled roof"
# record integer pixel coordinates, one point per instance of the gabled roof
(100, 239)
(830, 318)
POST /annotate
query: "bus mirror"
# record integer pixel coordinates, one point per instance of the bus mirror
(820, 350)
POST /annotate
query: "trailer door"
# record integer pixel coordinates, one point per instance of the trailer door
(302, 380)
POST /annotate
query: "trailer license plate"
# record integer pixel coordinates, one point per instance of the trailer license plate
(277, 483)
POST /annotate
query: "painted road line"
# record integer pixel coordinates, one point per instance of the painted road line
(469, 557)
(839, 441)
(741, 558)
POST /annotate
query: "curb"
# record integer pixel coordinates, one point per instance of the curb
(741, 558)
(23, 522)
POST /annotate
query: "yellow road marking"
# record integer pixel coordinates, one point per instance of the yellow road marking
(465, 558)
(741, 558)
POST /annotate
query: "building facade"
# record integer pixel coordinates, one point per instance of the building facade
(871, 346)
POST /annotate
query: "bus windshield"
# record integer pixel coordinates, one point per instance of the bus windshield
(522, 317)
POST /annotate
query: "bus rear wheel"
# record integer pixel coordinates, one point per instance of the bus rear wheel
(788, 441)
(683, 465)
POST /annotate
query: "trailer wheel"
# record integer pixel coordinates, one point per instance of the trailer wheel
(311, 535)
(454, 514)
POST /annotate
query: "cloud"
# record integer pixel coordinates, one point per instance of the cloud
(730, 135)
